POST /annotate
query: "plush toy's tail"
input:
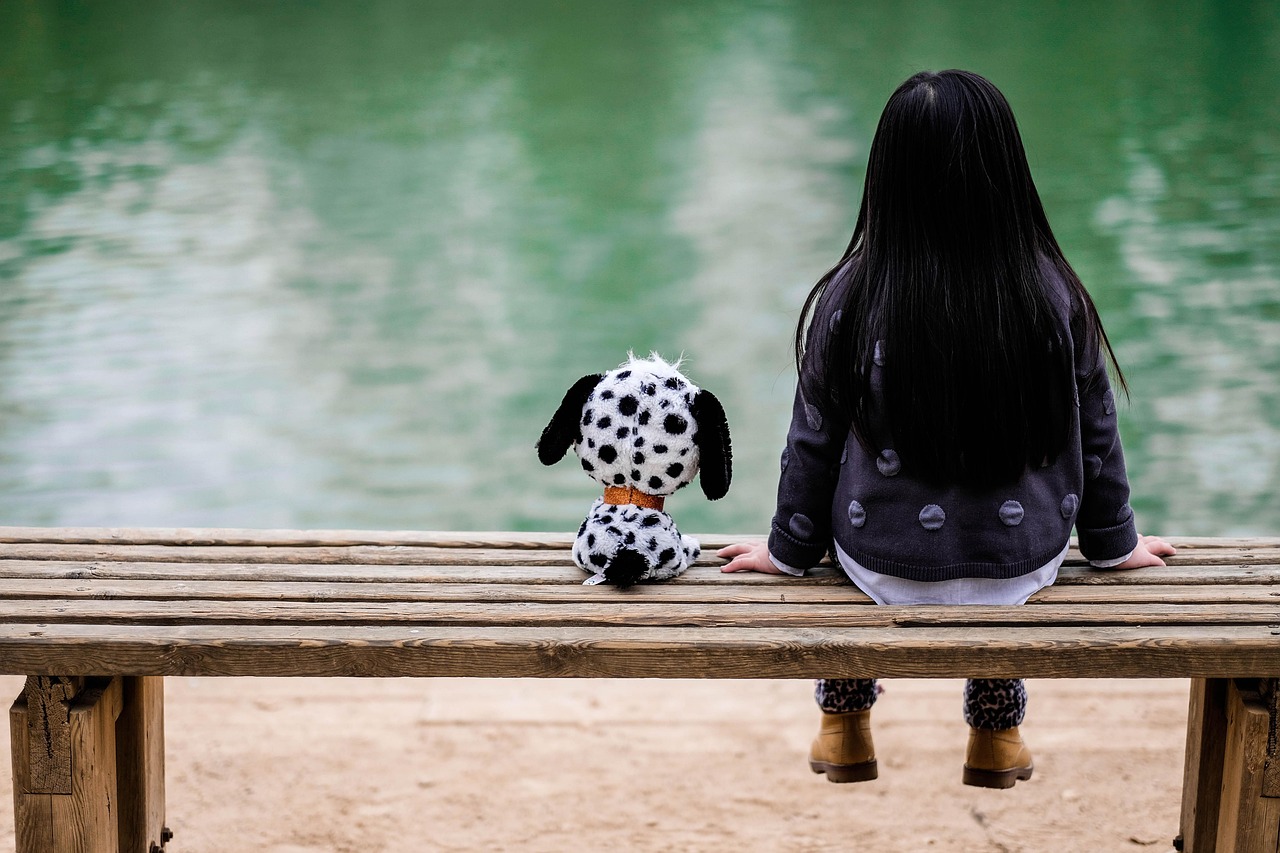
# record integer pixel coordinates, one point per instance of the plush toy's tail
(628, 566)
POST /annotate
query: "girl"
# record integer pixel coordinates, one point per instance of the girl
(953, 418)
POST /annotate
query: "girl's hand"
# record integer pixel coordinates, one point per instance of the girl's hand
(748, 558)
(1148, 553)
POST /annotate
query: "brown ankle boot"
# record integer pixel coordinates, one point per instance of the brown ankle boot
(843, 748)
(996, 759)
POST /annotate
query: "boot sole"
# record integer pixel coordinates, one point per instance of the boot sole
(996, 778)
(864, 772)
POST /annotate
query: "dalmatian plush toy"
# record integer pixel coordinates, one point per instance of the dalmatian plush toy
(642, 431)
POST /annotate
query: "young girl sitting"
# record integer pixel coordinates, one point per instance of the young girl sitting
(953, 418)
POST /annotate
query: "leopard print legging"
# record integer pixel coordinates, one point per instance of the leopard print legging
(989, 703)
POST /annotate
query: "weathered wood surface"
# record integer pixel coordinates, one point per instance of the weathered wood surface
(257, 602)
(82, 818)
(1202, 782)
(140, 764)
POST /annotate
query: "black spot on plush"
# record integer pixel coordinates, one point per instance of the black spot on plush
(627, 568)
(688, 439)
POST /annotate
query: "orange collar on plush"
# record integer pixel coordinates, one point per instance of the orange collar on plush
(617, 495)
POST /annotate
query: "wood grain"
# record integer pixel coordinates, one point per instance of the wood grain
(421, 555)
(48, 735)
(485, 539)
(622, 613)
(232, 536)
(236, 589)
(1186, 574)
(395, 651)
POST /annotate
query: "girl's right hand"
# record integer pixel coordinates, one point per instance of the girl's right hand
(748, 558)
(1148, 553)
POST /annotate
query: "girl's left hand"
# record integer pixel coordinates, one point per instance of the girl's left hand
(748, 558)
(1148, 553)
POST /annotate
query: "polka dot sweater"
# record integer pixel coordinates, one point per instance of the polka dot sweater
(833, 490)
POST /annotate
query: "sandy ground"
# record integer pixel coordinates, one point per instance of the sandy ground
(310, 765)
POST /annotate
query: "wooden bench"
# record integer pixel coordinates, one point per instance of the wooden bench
(96, 617)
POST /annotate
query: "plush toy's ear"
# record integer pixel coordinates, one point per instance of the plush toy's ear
(564, 429)
(716, 455)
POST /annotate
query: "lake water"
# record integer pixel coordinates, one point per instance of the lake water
(334, 264)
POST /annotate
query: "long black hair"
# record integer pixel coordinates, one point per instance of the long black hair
(945, 283)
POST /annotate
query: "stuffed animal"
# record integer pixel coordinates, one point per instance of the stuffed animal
(642, 431)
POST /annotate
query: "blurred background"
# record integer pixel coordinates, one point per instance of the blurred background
(330, 264)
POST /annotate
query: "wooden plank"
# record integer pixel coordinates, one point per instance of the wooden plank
(140, 764)
(1191, 575)
(569, 592)
(563, 582)
(1181, 572)
(565, 592)
(465, 539)
(1247, 820)
(427, 556)
(401, 650)
(1153, 593)
(313, 572)
(614, 609)
(373, 555)
(231, 536)
(1202, 779)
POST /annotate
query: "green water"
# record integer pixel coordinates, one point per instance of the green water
(334, 264)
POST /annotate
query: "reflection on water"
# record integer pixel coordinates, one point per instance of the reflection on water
(1201, 255)
(335, 267)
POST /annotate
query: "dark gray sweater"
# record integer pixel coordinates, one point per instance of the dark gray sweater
(833, 489)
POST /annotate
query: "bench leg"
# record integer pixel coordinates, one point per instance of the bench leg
(1231, 798)
(1248, 819)
(63, 735)
(140, 763)
(1202, 780)
(88, 765)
